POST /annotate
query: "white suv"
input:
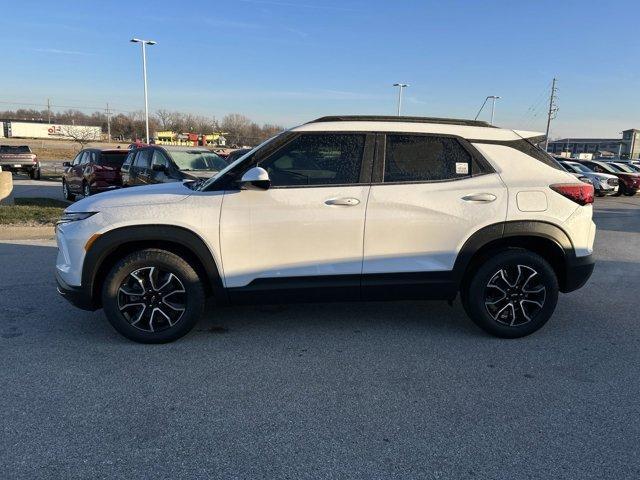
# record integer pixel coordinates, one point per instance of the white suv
(340, 208)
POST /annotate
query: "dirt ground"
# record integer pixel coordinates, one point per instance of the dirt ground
(56, 150)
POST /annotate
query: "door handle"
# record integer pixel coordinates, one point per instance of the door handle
(344, 202)
(480, 197)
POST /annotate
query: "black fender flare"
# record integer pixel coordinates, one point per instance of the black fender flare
(504, 230)
(108, 242)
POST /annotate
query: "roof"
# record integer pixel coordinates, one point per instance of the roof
(468, 129)
(397, 118)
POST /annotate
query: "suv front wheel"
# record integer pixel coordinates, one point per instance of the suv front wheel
(153, 296)
(512, 294)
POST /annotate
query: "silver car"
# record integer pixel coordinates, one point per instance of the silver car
(603, 183)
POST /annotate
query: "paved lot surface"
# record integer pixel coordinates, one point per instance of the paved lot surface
(397, 390)
(25, 187)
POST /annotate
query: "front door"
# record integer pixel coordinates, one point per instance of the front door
(307, 229)
(433, 195)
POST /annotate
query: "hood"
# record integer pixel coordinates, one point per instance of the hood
(601, 176)
(198, 174)
(161, 193)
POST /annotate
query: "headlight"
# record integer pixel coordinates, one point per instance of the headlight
(74, 217)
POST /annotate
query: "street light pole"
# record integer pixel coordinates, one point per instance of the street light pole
(493, 106)
(144, 43)
(400, 87)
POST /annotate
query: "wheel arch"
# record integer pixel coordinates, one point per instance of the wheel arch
(113, 245)
(545, 239)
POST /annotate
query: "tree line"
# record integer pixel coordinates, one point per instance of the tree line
(238, 129)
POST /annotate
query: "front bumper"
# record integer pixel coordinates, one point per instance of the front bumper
(77, 296)
(577, 272)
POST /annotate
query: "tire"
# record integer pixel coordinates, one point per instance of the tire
(600, 193)
(86, 189)
(485, 306)
(32, 174)
(66, 193)
(160, 272)
(619, 192)
(630, 193)
(38, 174)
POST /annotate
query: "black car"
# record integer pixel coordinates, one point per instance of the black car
(236, 154)
(163, 163)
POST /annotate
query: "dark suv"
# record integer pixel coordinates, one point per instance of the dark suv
(92, 171)
(159, 164)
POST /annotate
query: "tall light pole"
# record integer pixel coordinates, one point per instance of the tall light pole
(144, 43)
(400, 86)
(493, 106)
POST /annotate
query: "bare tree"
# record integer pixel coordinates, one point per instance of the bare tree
(165, 118)
(80, 134)
(237, 126)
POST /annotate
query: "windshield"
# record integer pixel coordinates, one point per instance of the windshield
(197, 160)
(623, 168)
(10, 149)
(580, 168)
(223, 172)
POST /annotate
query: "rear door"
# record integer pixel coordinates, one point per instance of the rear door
(126, 170)
(141, 167)
(430, 194)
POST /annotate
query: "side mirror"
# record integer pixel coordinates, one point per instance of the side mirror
(255, 178)
(66, 164)
(158, 167)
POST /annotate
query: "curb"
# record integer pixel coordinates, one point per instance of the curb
(15, 232)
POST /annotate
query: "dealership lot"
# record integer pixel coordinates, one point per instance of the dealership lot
(393, 390)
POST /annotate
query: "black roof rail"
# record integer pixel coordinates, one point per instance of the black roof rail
(394, 118)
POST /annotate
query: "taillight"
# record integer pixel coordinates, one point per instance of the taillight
(34, 158)
(581, 193)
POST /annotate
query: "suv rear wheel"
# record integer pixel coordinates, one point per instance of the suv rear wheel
(512, 295)
(153, 296)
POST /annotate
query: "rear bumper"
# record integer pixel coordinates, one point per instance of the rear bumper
(77, 296)
(577, 273)
(17, 167)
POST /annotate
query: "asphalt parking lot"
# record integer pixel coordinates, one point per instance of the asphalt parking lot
(377, 391)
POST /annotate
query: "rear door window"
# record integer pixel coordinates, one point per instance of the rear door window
(425, 158)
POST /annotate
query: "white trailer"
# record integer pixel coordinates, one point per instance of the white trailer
(52, 130)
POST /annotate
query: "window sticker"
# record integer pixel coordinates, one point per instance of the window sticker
(462, 168)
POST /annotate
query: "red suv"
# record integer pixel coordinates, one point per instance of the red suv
(93, 171)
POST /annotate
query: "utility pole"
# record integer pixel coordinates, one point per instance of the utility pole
(48, 110)
(108, 112)
(553, 109)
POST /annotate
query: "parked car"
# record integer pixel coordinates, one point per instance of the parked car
(19, 159)
(93, 170)
(236, 154)
(340, 208)
(604, 183)
(629, 182)
(627, 166)
(160, 164)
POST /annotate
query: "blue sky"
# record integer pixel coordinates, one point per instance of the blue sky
(289, 61)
